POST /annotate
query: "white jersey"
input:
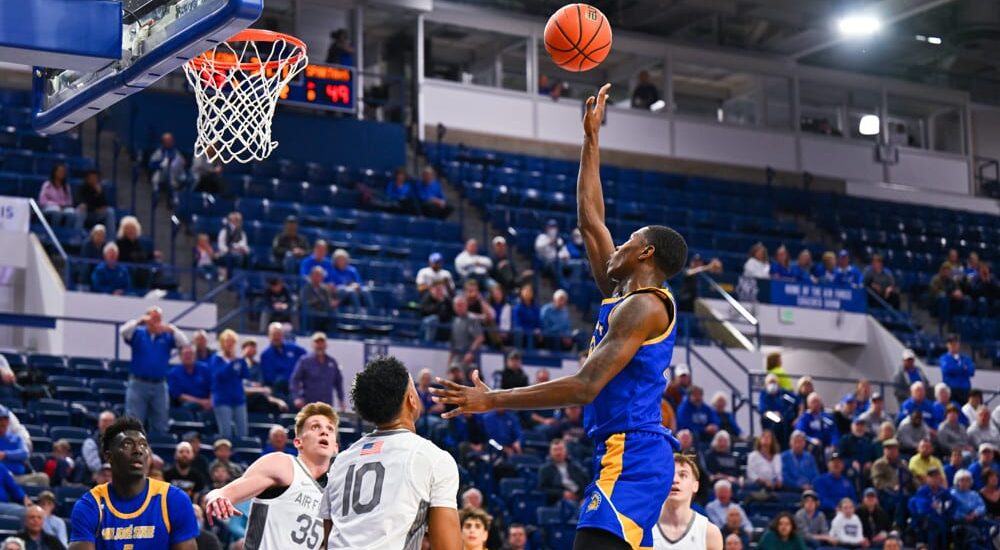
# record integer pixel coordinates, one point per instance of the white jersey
(695, 538)
(283, 518)
(381, 488)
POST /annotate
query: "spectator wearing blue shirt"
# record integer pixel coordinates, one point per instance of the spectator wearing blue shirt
(12, 497)
(917, 402)
(527, 319)
(834, 485)
(110, 277)
(846, 274)
(986, 462)
(695, 415)
(930, 510)
(340, 52)
(152, 341)
(14, 452)
(798, 466)
(781, 265)
(432, 201)
(504, 427)
(556, 326)
(957, 370)
(190, 383)
(817, 424)
(803, 269)
(277, 441)
(942, 398)
(317, 258)
(279, 359)
(968, 507)
(727, 422)
(349, 286)
(399, 194)
(777, 407)
(229, 400)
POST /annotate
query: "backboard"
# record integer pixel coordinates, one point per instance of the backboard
(157, 37)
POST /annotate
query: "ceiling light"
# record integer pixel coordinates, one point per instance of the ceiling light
(936, 40)
(658, 105)
(921, 38)
(859, 25)
(869, 125)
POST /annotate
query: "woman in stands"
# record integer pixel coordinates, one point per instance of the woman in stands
(56, 198)
(781, 535)
(764, 463)
(130, 249)
(991, 494)
(229, 400)
(781, 266)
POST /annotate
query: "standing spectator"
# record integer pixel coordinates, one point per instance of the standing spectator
(34, 535)
(846, 528)
(151, 340)
(436, 312)
(56, 198)
(466, 335)
(777, 408)
(556, 326)
(818, 425)
(399, 195)
(110, 277)
(911, 431)
(764, 463)
(781, 265)
(340, 52)
(811, 523)
(881, 281)
(190, 383)
(891, 477)
(929, 509)
(727, 422)
(234, 252)
(279, 359)
(957, 369)
(906, 375)
(833, 486)
(679, 387)
(223, 449)
(512, 375)
(798, 467)
(720, 460)
(561, 478)
(278, 303)
(757, 265)
(91, 451)
(718, 508)
(94, 207)
(290, 247)
(435, 273)
(695, 415)
(432, 201)
(951, 434)
(924, 460)
(182, 475)
(527, 319)
(876, 522)
(277, 441)
(550, 249)
(846, 274)
(773, 366)
(53, 525)
(781, 535)
(229, 400)
(875, 415)
(349, 286)
(166, 166)
(318, 258)
(803, 269)
(317, 300)
(645, 93)
(317, 377)
(984, 431)
(471, 264)
(504, 427)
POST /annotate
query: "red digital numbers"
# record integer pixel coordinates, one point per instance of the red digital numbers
(338, 93)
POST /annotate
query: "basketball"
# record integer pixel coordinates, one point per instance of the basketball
(578, 37)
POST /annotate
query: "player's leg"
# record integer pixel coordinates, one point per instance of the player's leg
(598, 539)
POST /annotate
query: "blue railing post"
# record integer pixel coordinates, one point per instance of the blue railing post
(117, 341)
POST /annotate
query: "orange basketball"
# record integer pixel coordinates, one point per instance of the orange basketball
(578, 37)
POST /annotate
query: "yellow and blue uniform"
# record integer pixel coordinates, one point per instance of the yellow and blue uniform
(633, 457)
(155, 519)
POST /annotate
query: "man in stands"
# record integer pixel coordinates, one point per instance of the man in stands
(972, 405)
(436, 312)
(94, 207)
(719, 507)
(951, 434)
(777, 407)
(811, 522)
(399, 195)
(12, 497)
(817, 424)
(892, 479)
(798, 466)
(875, 415)
(53, 525)
(957, 369)
(946, 294)
(33, 534)
(234, 250)
(199, 462)
(92, 445)
(556, 326)
(846, 274)
(695, 415)
(917, 402)
(504, 427)
(318, 258)
(349, 286)
(317, 300)
(833, 485)
(279, 359)
(549, 248)
(907, 374)
(466, 334)
(435, 273)
(924, 460)
(290, 247)
(911, 431)
(881, 281)
(561, 478)
(983, 430)
(14, 453)
(517, 537)
(110, 277)
(503, 271)
(986, 462)
(223, 449)
(317, 377)
(182, 475)
(152, 341)
(167, 166)
(432, 200)
(512, 375)
(470, 264)
(930, 510)
(277, 441)
(190, 383)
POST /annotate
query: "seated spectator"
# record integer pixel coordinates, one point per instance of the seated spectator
(279, 303)
(206, 540)
(803, 269)
(695, 415)
(349, 286)
(399, 194)
(875, 415)
(825, 271)
(277, 442)
(924, 460)
(957, 369)
(223, 449)
(431, 196)
(917, 402)
(734, 528)
(53, 525)
(12, 497)
(436, 312)
(131, 250)
(466, 334)
(970, 408)
(504, 427)
(846, 528)
(56, 198)
(234, 252)
(727, 422)
(679, 386)
(985, 462)
(550, 249)
(720, 460)
(93, 248)
(470, 264)
(14, 452)
(955, 266)
(876, 522)
(34, 535)
(781, 265)
(844, 412)
(513, 375)
(561, 478)
(208, 173)
(552, 89)
(985, 292)
(798, 466)
(317, 301)
(942, 398)
(803, 389)
(951, 434)
(645, 93)
(956, 462)
(757, 265)
(503, 271)
(556, 326)
(526, 317)
(475, 524)
(435, 273)
(205, 257)
(290, 247)
(984, 431)
(881, 281)
(91, 452)
(717, 509)
(110, 277)
(991, 494)
(781, 535)
(181, 475)
(167, 166)
(190, 383)
(517, 537)
(946, 295)
(94, 207)
(59, 465)
(906, 375)
(817, 424)
(891, 477)
(503, 315)
(846, 274)
(833, 485)
(279, 359)
(929, 510)
(319, 257)
(968, 512)
(911, 430)
(764, 462)
(858, 449)
(811, 523)
(777, 408)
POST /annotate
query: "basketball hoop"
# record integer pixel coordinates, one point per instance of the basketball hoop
(237, 85)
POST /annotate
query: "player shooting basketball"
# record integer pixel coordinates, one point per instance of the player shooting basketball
(625, 373)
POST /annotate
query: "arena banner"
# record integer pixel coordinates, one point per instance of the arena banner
(830, 298)
(15, 214)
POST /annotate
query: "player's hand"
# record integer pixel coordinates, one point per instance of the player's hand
(476, 399)
(220, 508)
(593, 115)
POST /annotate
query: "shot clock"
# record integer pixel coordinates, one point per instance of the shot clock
(322, 87)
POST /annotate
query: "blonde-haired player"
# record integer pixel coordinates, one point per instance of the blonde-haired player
(680, 527)
(286, 490)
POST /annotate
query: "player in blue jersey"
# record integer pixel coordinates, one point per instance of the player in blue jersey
(132, 512)
(622, 379)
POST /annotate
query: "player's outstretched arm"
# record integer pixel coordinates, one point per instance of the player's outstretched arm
(271, 469)
(443, 529)
(638, 318)
(590, 197)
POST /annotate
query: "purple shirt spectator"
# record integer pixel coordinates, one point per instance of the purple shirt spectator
(317, 376)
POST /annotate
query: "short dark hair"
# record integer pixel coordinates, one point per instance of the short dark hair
(953, 337)
(380, 388)
(777, 519)
(475, 514)
(669, 249)
(513, 526)
(91, 172)
(121, 425)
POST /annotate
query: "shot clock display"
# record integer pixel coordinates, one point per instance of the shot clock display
(323, 87)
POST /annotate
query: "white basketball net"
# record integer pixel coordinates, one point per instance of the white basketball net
(237, 85)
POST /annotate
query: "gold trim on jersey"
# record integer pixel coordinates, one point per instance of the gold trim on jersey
(156, 487)
(664, 294)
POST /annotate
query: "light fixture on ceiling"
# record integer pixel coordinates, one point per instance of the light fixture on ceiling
(859, 25)
(658, 105)
(869, 125)
(936, 40)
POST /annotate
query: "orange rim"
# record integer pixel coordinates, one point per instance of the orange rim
(253, 35)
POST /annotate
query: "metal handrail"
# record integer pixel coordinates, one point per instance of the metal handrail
(733, 302)
(210, 295)
(888, 307)
(52, 237)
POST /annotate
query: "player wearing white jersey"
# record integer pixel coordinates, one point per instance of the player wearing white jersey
(680, 527)
(286, 490)
(392, 486)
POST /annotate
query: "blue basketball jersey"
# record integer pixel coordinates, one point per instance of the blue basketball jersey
(155, 519)
(631, 400)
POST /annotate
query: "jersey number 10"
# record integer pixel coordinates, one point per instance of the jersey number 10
(352, 488)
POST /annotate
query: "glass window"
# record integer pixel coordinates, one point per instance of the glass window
(829, 110)
(777, 102)
(925, 124)
(622, 69)
(474, 56)
(717, 93)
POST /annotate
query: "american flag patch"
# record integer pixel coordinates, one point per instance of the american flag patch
(373, 448)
